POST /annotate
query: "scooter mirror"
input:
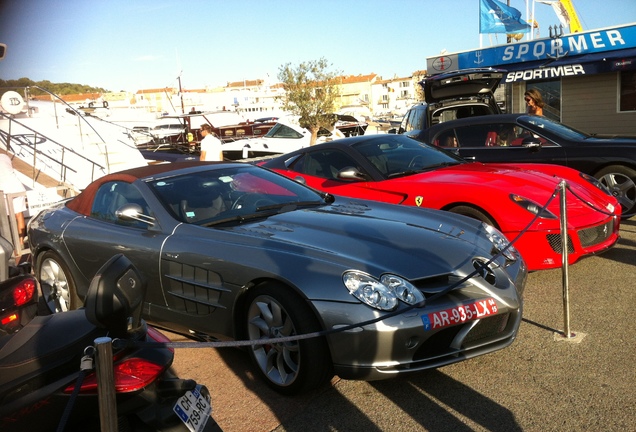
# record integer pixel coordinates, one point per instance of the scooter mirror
(116, 294)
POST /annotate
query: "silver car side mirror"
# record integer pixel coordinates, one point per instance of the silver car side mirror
(351, 173)
(134, 212)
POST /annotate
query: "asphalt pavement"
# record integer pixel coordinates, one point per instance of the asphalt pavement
(542, 382)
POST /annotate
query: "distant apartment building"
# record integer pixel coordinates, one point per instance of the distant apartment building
(392, 97)
(360, 95)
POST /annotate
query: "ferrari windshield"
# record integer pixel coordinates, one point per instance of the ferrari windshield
(235, 193)
(397, 155)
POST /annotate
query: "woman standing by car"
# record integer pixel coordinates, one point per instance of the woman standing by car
(534, 102)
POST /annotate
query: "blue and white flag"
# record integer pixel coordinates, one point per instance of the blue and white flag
(496, 17)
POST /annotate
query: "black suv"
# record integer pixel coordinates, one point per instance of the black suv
(453, 95)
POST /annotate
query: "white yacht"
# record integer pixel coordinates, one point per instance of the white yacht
(59, 142)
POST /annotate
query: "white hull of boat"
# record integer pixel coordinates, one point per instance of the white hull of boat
(74, 149)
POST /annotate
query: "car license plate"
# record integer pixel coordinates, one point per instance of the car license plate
(460, 314)
(193, 409)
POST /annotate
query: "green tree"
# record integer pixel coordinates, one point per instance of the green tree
(311, 92)
(419, 91)
(57, 88)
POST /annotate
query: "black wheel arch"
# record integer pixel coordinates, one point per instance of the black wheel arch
(240, 305)
(471, 210)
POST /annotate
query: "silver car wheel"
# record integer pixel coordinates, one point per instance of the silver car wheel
(622, 187)
(267, 318)
(276, 310)
(57, 288)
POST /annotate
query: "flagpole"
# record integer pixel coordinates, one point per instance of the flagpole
(479, 23)
(534, 20)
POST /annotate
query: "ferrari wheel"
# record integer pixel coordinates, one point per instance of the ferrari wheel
(621, 182)
(58, 288)
(474, 213)
(290, 367)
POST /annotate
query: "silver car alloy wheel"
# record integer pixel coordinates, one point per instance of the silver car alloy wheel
(267, 318)
(622, 187)
(55, 286)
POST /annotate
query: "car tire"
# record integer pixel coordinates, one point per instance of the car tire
(621, 182)
(474, 213)
(293, 367)
(58, 288)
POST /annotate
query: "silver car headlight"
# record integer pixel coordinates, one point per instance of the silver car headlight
(500, 242)
(403, 289)
(382, 294)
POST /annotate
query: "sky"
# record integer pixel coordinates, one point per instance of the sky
(128, 45)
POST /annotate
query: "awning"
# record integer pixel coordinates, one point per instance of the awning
(585, 64)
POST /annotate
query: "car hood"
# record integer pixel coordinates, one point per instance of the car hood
(490, 183)
(372, 237)
(508, 177)
(470, 82)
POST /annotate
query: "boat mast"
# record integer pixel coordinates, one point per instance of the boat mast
(181, 95)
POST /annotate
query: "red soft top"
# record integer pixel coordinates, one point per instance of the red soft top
(83, 202)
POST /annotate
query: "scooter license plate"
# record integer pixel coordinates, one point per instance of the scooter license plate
(193, 409)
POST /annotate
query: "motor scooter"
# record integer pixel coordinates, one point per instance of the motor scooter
(47, 378)
(18, 291)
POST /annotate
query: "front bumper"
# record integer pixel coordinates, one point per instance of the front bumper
(543, 249)
(403, 343)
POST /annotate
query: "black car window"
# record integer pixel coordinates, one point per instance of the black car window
(324, 163)
(492, 135)
(413, 121)
(113, 195)
(554, 127)
(399, 155)
(447, 113)
(446, 139)
(417, 119)
(474, 136)
(513, 135)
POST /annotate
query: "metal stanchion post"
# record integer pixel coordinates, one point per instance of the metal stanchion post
(564, 260)
(106, 384)
(567, 334)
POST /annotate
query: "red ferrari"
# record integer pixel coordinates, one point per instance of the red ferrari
(397, 169)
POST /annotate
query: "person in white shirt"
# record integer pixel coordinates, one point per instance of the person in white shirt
(210, 145)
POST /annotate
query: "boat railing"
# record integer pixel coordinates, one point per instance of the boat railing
(25, 146)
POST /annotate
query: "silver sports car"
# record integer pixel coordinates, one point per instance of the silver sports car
(235, 251)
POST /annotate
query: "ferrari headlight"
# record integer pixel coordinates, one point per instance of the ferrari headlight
(382, 294)
(500, 242)
(595, 182)
(532, 207)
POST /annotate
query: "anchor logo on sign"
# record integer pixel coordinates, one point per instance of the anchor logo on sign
(478, 57)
